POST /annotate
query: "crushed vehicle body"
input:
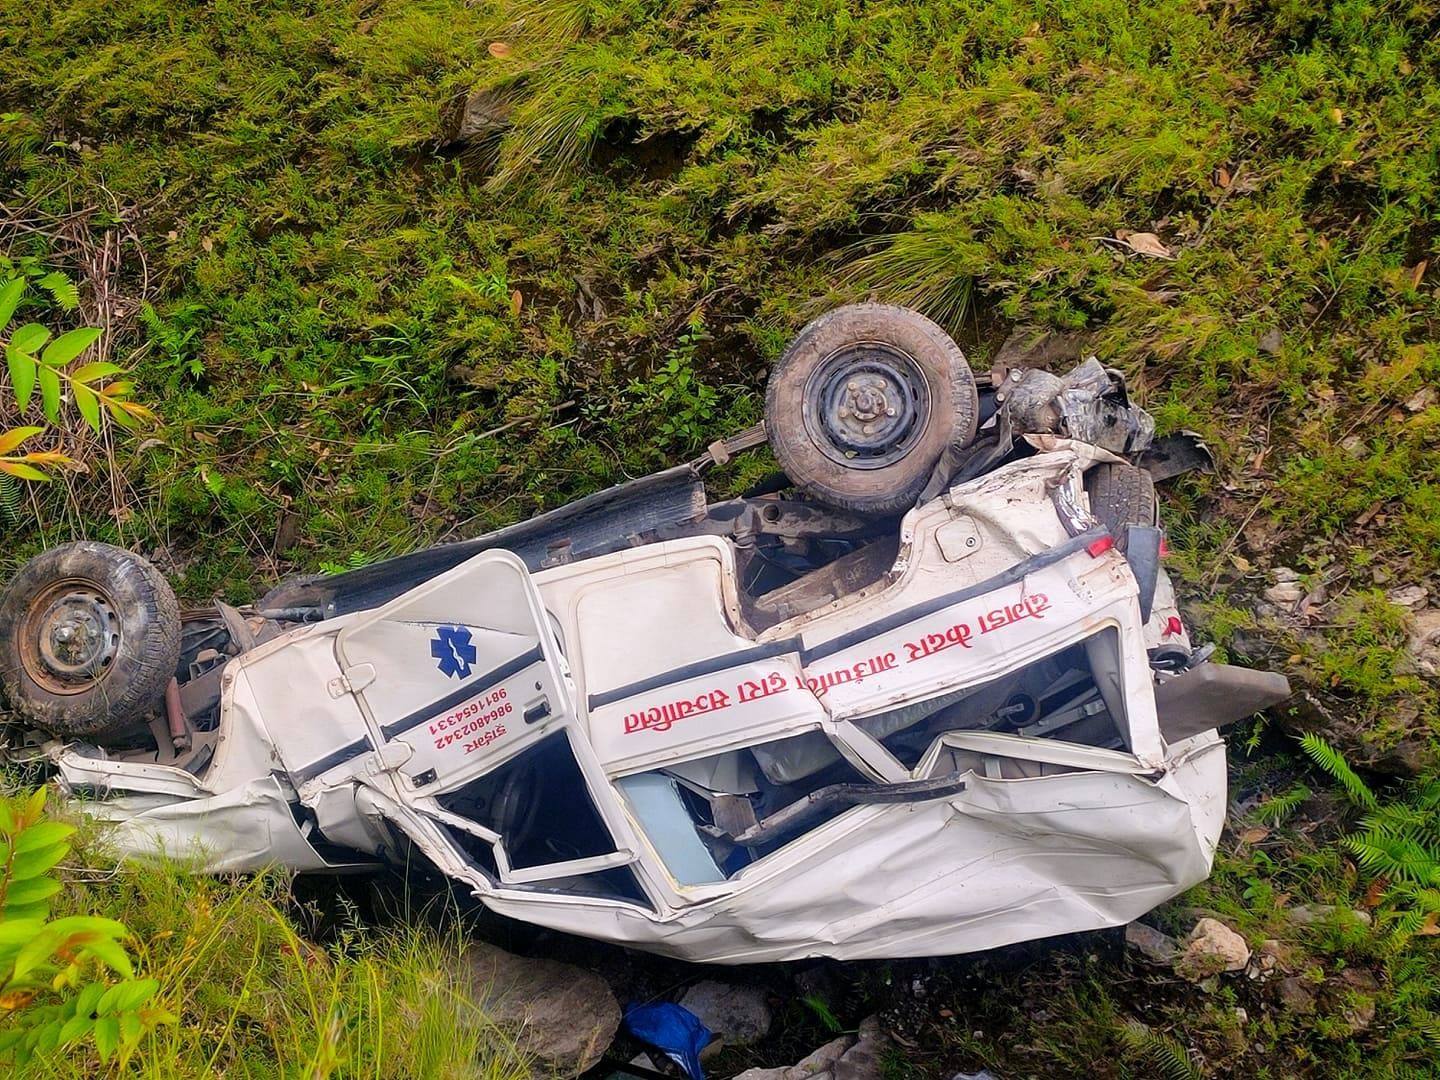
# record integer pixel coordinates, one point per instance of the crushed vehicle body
(764, 728)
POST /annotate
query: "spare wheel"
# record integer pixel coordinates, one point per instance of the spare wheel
(863, 403)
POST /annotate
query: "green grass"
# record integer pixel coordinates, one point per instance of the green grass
(255, 999)
(377, 339)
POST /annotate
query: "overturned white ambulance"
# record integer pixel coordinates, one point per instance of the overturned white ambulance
(757, 729)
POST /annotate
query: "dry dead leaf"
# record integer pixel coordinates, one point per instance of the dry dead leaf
(1375, 892)
(1417, 273)
(1431, 926)
(1148, 244)
(499, 49)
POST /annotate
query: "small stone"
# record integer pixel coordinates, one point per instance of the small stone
(1212, 948)
(1159, 949)
(822, 1061)
(1411, 596)
(1271, 341)
(1424, 645)
(1421, 400)
(1296, 995)
(486, 113)
(865, 1060)
(1285, 593)
(738, 1014)
(1310, 914)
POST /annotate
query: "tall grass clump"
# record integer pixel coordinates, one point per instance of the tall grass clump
(253, 998)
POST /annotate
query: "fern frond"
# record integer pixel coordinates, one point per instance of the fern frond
(11, 499)
(1396, 819)
(1399, 858)
(1276, 810)
(1161, 1055)
(1333, 762)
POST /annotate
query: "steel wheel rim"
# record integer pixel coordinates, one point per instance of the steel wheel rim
(865, 406)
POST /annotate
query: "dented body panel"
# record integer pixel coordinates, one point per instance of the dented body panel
(1003, 652)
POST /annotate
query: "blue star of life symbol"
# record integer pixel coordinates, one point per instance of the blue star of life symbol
(453, 650)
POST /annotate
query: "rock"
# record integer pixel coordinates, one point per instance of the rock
(1212, 948)
(485, 113)
(1424, 649)
(1160, 949)
(1421, 400)
(738, 1014)
(822, 1060)
(1271, 341)
(562, 1016)
(820, 1065)
(1411, 596)
(866, 1059)
(1357, 1005)
(1310, 914)
(1296, 995)
(1285, 593)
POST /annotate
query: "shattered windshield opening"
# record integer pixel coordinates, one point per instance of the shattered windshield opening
(1071, 696)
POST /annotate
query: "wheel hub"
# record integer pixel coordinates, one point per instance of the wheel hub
(865, 406)
(72, 639)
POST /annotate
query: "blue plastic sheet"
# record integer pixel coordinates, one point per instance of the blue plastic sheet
(673, 1029)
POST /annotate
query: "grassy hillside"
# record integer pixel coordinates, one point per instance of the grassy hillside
(363, 333)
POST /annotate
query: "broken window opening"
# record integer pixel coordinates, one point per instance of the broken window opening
(539, 804)
(692, 818)
(1072, 696)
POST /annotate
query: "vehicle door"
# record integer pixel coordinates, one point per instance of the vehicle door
(465, 685)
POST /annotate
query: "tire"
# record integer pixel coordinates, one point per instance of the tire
(125, 618)
(872, 447)
(1121, 495)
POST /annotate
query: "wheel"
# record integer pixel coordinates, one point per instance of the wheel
(89, 639)
(1121, 495)
(863, 403)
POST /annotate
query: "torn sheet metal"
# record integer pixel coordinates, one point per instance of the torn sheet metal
(598, 747)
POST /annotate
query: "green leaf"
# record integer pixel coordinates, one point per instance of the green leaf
(16, 932)
(49, 392)
(88, 404)
(42, 835)
(22, 374)
(88, 998)
(75, 1027)
(29, 338)
(130, 1029)
(69, 345)
(107, 1037)
(10, 294)
(133, 993)
(99, 369)
(31, 892)
(121, 415)
(30, 864)
(112, 954)
(25, 911)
